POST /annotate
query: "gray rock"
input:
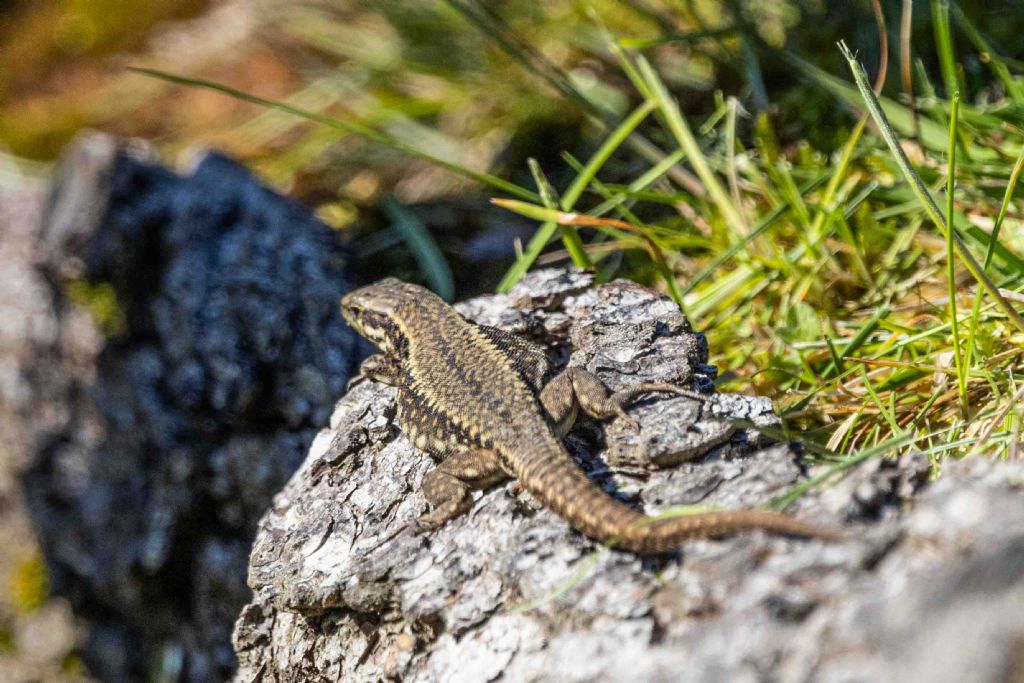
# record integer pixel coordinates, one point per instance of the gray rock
(510, 592)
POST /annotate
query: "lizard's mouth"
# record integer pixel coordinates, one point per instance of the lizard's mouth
(373, 326)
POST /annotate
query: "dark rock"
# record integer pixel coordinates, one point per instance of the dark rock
(171, 415)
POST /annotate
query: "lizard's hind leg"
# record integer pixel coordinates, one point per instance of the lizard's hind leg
(449, 486)
(577, 389)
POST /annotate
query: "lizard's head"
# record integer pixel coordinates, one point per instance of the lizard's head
(378, 311)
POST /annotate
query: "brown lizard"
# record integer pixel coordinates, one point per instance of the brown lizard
(480, 398)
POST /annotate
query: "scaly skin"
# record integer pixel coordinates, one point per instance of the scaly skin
(479, 398)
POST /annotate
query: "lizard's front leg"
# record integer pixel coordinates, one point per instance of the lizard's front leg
(575, 388)
(380, 367)
(449, 486)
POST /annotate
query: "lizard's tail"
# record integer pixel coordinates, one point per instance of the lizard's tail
(559, 483)
(661, 534)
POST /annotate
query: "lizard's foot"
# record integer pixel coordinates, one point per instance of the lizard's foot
(442, 514)
(577, 388)
(449, 487)
(620, 399)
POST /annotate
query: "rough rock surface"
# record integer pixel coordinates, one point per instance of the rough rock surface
(509, 592)
(194, 349)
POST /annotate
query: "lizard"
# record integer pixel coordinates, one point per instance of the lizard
(489, 405)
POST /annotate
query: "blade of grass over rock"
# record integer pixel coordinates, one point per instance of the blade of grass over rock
(575, 190)
(958, 358)
(589, 563)
(347, 126)
(922, 193)
(583, 571)
(424, 248)
(653, 245)
(780, 503)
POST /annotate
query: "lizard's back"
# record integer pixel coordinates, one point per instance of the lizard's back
(462, 375)
(456, 372)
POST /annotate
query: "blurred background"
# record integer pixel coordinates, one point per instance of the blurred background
(528, 93)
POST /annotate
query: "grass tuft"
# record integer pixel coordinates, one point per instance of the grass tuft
(829, 280)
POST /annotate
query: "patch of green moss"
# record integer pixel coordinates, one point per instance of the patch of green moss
(28, 584)
(101, 301)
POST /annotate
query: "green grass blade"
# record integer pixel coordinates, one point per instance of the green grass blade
(575, 190)
(347, 126)
(684, 136)
(944, 46)
(607, 148)
(854, 345)
(827, 202)
(837, 360)
(424, 248)
(780, 503)
(1013, 262)
(1007, 197)
(548, 194)
(922, 193)
(961, 377)
(640, 184)
(990, 252)
(932, 135)
(534, 211)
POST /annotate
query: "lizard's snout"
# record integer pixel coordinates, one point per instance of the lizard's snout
(369, 311)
